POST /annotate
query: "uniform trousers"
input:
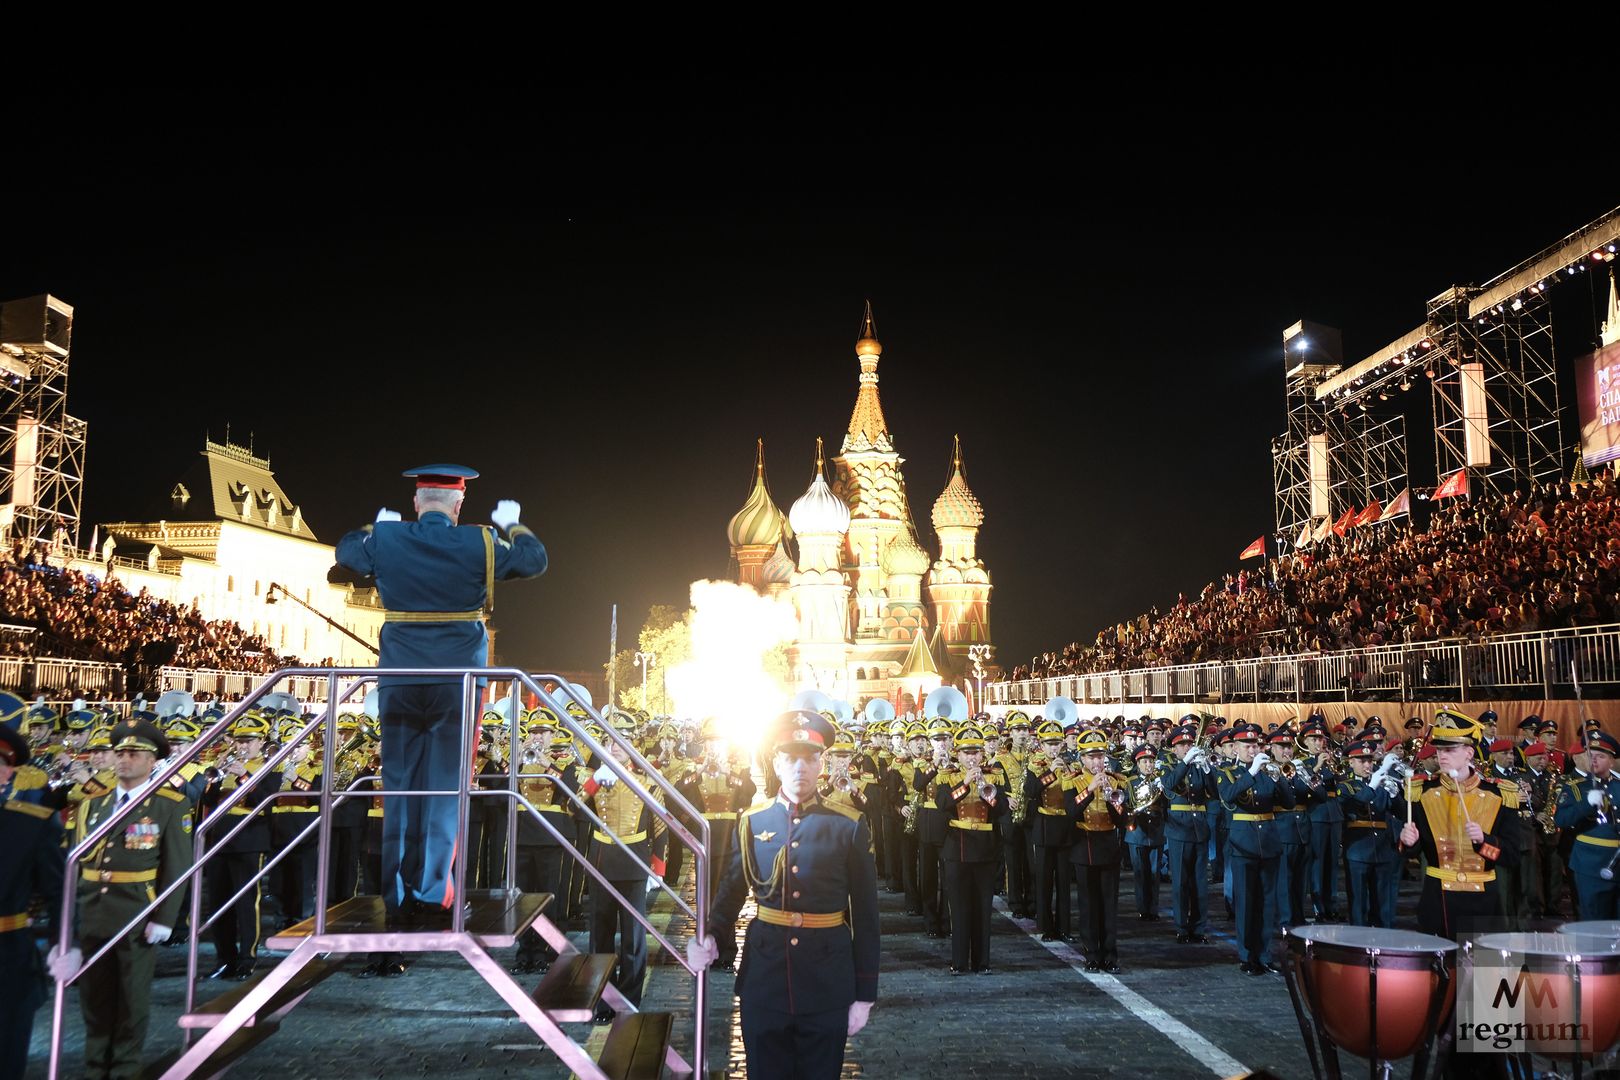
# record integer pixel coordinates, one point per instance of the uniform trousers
(607, 917)
(294, 875)
(1052, 878)
(421, 751)
(794, 1046)
(343, 864)
(1145, 878)
(1254, 882)
(115, 999)
(1326, 839)
(1372, 888)
(933, 906)
(1015, 854)
(1292, 880)
(971, 887)
(1187, 881)
(539, 870)
(236, 932)
(1099, 911)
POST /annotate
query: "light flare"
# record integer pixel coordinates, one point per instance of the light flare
(733, 629)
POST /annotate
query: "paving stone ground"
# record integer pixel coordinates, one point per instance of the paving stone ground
(1036, 1016)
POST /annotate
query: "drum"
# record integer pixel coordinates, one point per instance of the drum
(1603, 928)
(1571, 978)
(1380, 994)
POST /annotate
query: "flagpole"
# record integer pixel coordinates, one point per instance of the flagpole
(613, 655)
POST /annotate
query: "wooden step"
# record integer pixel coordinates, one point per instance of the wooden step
(636, 1046)
(572, 987)
(212, 1011)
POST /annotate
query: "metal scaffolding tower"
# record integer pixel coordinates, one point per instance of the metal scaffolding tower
(1311, 354)
(41, 446)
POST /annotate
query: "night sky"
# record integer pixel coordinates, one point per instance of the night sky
(600, 301)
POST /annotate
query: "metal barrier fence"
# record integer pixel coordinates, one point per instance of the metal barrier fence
(1543, 664)
(226, 684)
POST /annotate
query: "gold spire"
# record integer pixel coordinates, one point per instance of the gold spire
(759, 458)
(868, 326)
(821, 461)
(867, 428)
(956, 456)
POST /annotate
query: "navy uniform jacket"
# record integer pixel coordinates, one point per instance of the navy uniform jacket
(1096, 823)
(1294, 826)
(817, 860)
(30, 864)
(1188, 785)
(1371, 831)
(970, 822)
(429, 565)
(1575, 813)
(1257, 795)
(1326, 810)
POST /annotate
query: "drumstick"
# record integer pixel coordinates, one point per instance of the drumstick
(1457, 775)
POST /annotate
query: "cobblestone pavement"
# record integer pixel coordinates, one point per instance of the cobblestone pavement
(1175, 1012)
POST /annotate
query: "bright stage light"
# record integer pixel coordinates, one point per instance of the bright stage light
(733, 628)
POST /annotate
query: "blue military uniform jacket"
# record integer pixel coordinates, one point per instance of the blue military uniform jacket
(1595, 841)
(817, 860)
(1294, 825)
(1188, 786)
(1326, 811)
(1371, 831)
(430, 566)
(1247, 797)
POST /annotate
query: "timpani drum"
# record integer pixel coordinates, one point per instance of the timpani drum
(1574, 979)
(1603, 928)
(1379, 994)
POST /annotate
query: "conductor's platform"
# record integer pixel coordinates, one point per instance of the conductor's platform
(361, 924)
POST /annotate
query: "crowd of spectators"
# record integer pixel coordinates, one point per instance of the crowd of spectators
(77, 616)
(1544, 560)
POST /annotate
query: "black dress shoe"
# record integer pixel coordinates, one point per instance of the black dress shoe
(393, 969)
(983, 971)
(603, 1015)
(224, 971)
(954, 970)
(1271, 968)
(1112, 967)
(1254, 969)
(721, 963)
(1049, 937)
(242, 972)
(523, 965)
(1092, 965)
(370, 971)
(1183, 938)
(1199, 939)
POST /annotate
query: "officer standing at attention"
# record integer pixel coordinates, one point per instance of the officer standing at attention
(1253, 848)
(812, 870)
(146, 853)
(1189, 784)
(437, 581)
(30, 865)
(1372, 864)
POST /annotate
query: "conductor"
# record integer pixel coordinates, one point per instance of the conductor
(437, 580)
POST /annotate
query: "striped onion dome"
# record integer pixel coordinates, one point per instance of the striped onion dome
(956, 505)
(759, 522)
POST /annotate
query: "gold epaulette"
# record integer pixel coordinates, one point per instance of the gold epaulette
(29, 777)
(848, 811)
(31, 809)
(1510, 793)
(1414, 788)
(171, 794)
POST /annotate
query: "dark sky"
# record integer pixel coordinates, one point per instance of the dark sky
(600, 301)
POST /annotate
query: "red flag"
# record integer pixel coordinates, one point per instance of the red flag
(1345, 523)
(1256, 550)
(1455, 484)
(1401, 505)
(1371, 514)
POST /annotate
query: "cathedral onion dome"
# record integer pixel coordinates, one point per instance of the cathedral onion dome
(778, 569)
(956, 506)
(905, 556)
(759, 522)
(818, 510)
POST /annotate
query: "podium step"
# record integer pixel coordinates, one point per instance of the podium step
(573, 986)
(636, 1046)
(496, 920)
(212, 1011)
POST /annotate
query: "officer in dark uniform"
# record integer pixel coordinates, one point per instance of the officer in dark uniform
(545, 783)
(1456, 818)
(637, 831)
(1254, 848)
(972, 798)
(1590, 808)
(349, 816)
(809, 969)
(236, 932)
(437, 580)
(30, 866)
(1095, 803)
(1372, 863)
(1189, 784)
(1327, 822)
(139, 859)
(1144, 830)
(1293, 830)
(1014, 762)
(293, 879)
(931, 829)
(1046, 787)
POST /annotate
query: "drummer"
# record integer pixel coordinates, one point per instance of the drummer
(1459, 826)
(1587, 806)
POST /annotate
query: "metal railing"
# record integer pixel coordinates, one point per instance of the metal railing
(569, 1052)
(1458, 669)
(221, 682)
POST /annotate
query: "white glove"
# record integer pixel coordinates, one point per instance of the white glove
(1260, 761)
(1594, 798)
(1378, 777)
(701, 952)
(859, 1013)
(653, 882)
(155, 934)
(386, 514)
(64, 965)
(1390, 761)
(605, 776)
(506, 514)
